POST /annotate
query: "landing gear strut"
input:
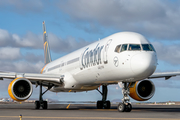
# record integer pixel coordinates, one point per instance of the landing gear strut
(42, 103)
(125, 106)
(103, 103)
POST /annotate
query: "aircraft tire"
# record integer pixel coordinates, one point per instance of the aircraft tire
(107, 105)
(37, 105)
(128, 108)
(121, 107)
(44, 106)
(99, 104)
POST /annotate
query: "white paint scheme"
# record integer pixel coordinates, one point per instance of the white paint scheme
(133, 65)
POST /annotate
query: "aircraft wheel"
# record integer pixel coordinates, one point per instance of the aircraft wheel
(99, 104)
(121, 107)
(37, 105)
(128, 107)
(107, 105)
(44, 106)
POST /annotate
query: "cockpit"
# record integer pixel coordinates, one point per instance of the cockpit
(134, 47)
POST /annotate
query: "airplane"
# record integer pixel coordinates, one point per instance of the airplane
(125, 58)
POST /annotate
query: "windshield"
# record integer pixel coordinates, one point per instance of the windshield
(124, 47)
(134, 47)
(117, 48)
(147, 47)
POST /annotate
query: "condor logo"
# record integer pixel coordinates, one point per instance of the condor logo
(91, 57)
(116, 62)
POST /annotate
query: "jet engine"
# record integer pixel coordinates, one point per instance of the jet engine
(141, 90)
(20, 89)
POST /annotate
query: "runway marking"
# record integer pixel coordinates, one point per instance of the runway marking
(68, 106)
(99, 118)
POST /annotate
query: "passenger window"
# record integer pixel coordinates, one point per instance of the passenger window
(134, 47)
(124, 47)
(117, 48)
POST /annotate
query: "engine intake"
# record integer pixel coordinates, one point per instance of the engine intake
(142, 90)
(20, 89)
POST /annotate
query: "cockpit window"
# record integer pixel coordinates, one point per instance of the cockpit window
(152, 47)
(134, 47)
(147, 47)
(124, 47)
(117, 49)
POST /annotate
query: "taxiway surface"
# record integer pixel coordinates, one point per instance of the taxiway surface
(87, 112)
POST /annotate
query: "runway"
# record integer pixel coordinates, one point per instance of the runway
(88, 112)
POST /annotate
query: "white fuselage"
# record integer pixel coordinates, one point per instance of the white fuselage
(103, 63)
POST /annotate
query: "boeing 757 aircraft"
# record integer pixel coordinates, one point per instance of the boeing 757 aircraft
(125, 57)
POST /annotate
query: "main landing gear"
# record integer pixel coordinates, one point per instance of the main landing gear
(125, 106)
(42, 103)
(103, 103)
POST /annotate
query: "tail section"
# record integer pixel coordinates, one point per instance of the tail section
(47, 55)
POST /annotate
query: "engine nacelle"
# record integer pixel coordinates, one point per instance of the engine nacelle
(20, 89)
(142, 90)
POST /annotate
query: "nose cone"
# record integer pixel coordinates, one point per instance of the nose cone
(144, 64)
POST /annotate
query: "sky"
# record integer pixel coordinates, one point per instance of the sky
(72, 24)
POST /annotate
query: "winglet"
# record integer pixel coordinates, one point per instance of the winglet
(47, 55)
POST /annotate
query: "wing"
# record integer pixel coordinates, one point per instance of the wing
(165, 75)
(35, 78)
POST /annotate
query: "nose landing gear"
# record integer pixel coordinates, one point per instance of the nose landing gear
(125, 106)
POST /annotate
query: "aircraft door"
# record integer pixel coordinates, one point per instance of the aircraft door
(106, 50)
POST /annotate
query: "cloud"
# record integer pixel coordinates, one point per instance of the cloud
(14, 61)
(22, 6)
(30, 40)
(5, 37)
(21, 66)
(9, 53)
(168, 53)
(90, 28)
(68, 44)
(155, 18)
(32, 58)
(34, 41)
